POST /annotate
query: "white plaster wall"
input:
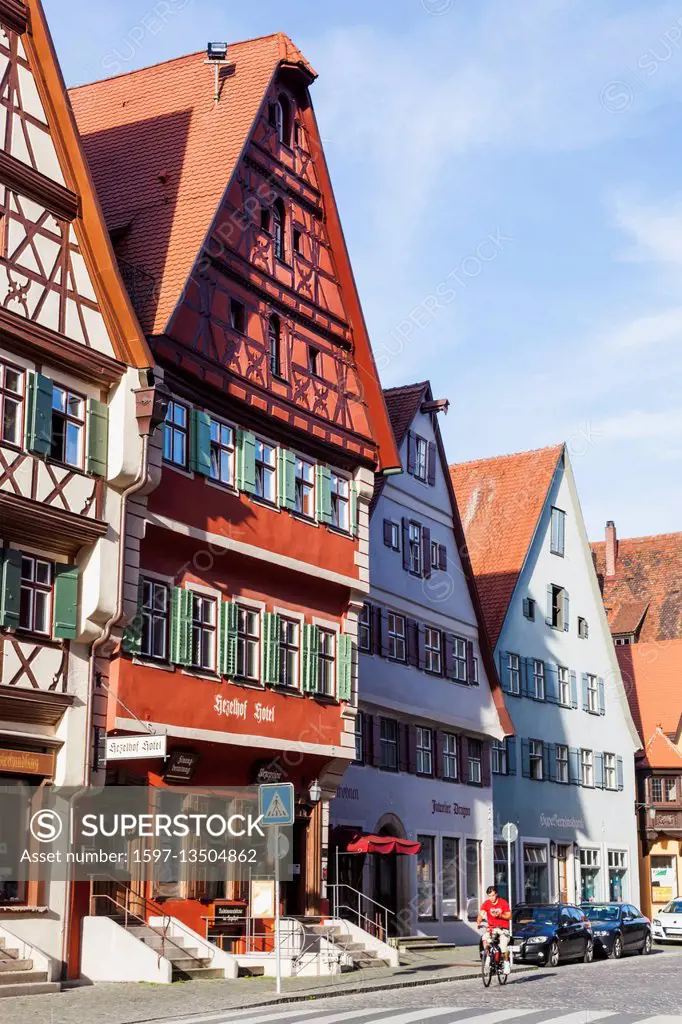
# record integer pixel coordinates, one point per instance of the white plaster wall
(110, 953)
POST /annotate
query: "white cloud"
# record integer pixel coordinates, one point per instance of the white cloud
(646, 331)
(639, 424)
(655, 229)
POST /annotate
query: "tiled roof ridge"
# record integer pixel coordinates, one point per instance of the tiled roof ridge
(511, 455)
(418, 385)
(660, 734)
(646, 538)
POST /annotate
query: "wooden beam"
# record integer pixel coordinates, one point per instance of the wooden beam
(25, 521)
(19, 177)
(14, 15)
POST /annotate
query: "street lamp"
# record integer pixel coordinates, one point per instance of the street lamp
(315, 792)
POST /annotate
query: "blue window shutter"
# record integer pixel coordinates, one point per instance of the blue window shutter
(227, 639)
(525, 759)
(246, 461)
(98, 437)
(504, 671)
(200, 442)
(345, 667)
(602, 697)
(548, 616)
(286, 478)
(354, 508)
(550, 761)
(511, 754)
(547, 761)
(324, 494)
(66, 601)
(574, 766)
(584, 689)
(552, 682)
(574, 689)
(10, 587)
(39, 414)
(271, 637)
(567, 614)
(598, 770)
(619, 772)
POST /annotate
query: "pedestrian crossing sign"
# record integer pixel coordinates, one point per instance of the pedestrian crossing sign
(276, 803)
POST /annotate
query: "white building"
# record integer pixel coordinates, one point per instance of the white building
(567, 777)
(429, 698)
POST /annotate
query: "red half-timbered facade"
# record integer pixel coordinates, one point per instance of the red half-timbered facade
(254, 552)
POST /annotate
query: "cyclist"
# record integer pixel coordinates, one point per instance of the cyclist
(498, 915)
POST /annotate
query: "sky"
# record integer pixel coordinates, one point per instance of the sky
(509, 178)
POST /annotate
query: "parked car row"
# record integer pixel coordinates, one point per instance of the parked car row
(555, 932)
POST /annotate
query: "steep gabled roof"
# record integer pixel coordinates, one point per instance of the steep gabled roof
(403, 404)
(501, 500)
(648, 572)
(660, 752)
(652, 675)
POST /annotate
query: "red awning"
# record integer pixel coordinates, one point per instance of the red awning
(383, 844)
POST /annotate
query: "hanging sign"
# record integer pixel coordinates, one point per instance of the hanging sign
(122, 748)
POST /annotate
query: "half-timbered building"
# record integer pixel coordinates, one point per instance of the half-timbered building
(254, 559)
(72, 356)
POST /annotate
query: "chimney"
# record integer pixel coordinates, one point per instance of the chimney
(611, 548)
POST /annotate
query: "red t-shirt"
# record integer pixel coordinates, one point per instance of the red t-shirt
(492, 910)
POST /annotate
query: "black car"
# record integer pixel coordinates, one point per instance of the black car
(618, 928)
(548, 933)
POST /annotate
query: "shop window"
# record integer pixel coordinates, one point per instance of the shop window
(663, 879)
(473, 878)
(589, 876)
(501, 866)
(536, 874)
(426, 879)
(450, 878)
(617, 872)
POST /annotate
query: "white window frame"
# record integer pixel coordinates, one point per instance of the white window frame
(171, 428)
(385, 744)
(421, 458)
(151, 614)
(562, 770)
(450, 756)
(610, 771)
(539, 686)
(16, 399)
(459, 659)
(220, 447)
(564, 684)
(557, 542)
(424, 751)
(415, 553)
(326, 684)
(475, 764)
(514, 672)
(433, 650)
(304, 488)
(285, 646)
(587, 768)
(340, 499)
(499, 757)
(247, 641)
(32, 586)
(592, 693)
(536, 760)
(266, 471)
(365, 628)
(205, 629)
(397, 641)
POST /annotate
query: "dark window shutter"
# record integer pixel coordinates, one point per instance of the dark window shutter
(421, 646)
(376, 741)
(412, 628)
(367, 737)
(442, 556)
(98, 437)
(439, 740)
(432, 463)
(383, 633)
(411, 451)
(403, 733)
(511, 755)
(546, 761)
(10, 587)
(449, 655)
(376, 627)
(66, 601)
(426, 552)
(388, 532)
(406, 544)
(551, 759)
(411, 731)
(567, 615)
(485, 763)
(470, 663)
(525, 759)
(504, 671)
(39, 421)
(463, 749)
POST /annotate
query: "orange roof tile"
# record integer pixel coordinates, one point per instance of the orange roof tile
(648, 569)
(500, 501)
(162, 153)
(660, 752)
(652, 675)
(627, 617)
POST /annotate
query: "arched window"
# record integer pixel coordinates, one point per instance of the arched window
(275, 346)
(278, 228)
(264, 218)
(280, 118)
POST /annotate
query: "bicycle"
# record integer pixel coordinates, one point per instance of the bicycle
(492, 962)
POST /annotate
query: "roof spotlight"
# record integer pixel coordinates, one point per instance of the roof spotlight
(216, 51)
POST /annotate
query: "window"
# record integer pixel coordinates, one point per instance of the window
(154, 620)
(238, 312)
(68, 426)
(536, 874)
(297, 240)
(265, 471)
(424, 751)
(535, 759)
(558, 531)
(562, 763)
(657, 791)
(222, 453)
(391, 535)
(248, 643)
(449, 756)
(450, 875)
(11, 404)
(617, 861)
(415, 548)
(589, 875)
(359, 739)
(586, 768)
(592, 694)
(583, 629)
(365, 628)
(435, 559)
(396, 637)
(529, 608)
(289, 632)
(623, 641)
(175, 434)
(514, 673)
(610, 776)
(538, 691)
(280, 119)
(265, 219)
(421, 460)
(203, 632)
(564, 685)
(664, 791)
(305, 488)
(274, 346)
(326, 680)
(500, 762)
(35, 609)
(475, 755)
(459, 659)
(340, 491)
(501, 869)
(559, 607)
(473, 877)
(389, 744)
(433, 642)
(278, 228)
(314, 361)
(426, 879)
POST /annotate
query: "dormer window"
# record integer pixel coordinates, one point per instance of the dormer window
(280, 119)
(274, 346)
(278, 228)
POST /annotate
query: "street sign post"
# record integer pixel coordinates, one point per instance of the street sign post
(277, 807)
(510, 834)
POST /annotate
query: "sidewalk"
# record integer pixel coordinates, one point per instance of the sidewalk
(127, 1003)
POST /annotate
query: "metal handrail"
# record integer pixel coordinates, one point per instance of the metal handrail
(163, 934)
(338, 906)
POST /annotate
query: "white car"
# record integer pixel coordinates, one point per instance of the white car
(667, 924)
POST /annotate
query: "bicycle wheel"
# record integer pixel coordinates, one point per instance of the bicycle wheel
(501, 976)
(487, 969)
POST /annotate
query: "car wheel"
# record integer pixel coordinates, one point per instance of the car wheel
(617, 951)
(646, 948)
(553, 958)
(589, 952)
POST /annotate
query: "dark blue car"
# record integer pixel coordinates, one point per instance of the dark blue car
(549, 933)
(618, 928)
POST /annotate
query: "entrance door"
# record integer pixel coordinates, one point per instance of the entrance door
(294, 894)
(562, 867)
(386, 888)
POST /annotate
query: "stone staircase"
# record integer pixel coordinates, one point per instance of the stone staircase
(188, 965)
(363, 958)
(17, 976)
(421, 944)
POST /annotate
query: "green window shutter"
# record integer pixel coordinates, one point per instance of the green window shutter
(227, 639)
(271, 635)
(39, 414)
(98, 437)
(66, 601)
(10, 587)
(287, 478)
(354, 508)
(246, 461)
(200, 442)
(180, 626)
(344, 669)
(311, 647)
(324, 494)
(132, 634)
